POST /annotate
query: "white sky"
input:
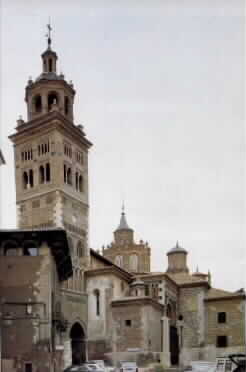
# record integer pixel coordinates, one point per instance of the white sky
(160, 91)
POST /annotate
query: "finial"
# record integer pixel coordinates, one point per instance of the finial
(177, 244)
(197, 269)
(123, 208)
(48, 35)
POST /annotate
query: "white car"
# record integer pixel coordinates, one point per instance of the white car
(128, 367)
(200, 366)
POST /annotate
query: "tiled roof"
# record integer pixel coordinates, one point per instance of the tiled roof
(215, 293)
(184, 278)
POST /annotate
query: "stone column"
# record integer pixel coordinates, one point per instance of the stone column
(67, 353)
(165, 355)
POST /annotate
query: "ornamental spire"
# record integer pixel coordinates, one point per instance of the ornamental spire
(123, 223)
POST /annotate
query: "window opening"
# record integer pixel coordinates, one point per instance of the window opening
(222, 317)
(31, 177)
(221, 341)
(25, 180)
(41, 174)
(128, 322)
(47, 172)
(38, 103)
(50, 65)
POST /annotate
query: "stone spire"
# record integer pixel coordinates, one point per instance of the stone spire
(123, 223)
(123, 233)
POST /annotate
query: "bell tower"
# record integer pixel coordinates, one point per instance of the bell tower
(51, 163)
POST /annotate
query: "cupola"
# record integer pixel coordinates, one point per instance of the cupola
(177, 260)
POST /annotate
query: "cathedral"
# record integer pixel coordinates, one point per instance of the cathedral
(173, 316)
(61, 302)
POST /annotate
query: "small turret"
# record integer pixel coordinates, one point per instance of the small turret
(177, 260)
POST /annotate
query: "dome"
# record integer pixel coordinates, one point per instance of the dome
(177, 249)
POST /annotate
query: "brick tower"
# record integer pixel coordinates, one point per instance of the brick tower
(51, 163)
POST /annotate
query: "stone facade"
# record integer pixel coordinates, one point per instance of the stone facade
(31, 280)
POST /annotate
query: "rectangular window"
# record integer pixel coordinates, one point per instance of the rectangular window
(221, 341)
(128, 323)
(28, 367)
(221, 317)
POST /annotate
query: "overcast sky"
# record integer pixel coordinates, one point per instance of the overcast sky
(160, 92)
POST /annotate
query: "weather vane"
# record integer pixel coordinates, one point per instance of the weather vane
(48, 35)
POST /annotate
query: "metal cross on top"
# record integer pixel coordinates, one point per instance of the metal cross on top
(48, 35)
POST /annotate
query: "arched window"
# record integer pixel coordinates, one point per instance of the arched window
(65, 173)
(47, 172)
(41, 174)
(97, 300)
(119, 261)
(38, 103)
(80, 249)
(66, 105)
(81, 183)
(77, 181)
(10, 248)
(134, 262)
(50, 64)
(69, 176)
(52, 99)
(31, 177)
(25, 180)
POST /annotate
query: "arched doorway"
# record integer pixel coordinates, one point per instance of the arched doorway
(78, 346)
(173, 335)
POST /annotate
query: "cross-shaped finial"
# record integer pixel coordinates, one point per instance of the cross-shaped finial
(48, 35)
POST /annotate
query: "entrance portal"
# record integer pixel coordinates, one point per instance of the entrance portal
(174, 345)
(78, 345)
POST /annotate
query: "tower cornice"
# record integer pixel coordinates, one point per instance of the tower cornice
(45, 78)
(47, 122)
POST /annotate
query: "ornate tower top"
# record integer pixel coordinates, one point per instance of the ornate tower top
(123, 223)
(49, 91)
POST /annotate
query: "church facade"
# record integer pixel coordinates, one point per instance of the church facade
(172, 316)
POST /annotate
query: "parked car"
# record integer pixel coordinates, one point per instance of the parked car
(200, 366)
(94, 367)
(85, 367)
(80, 368)
(128, 367)
(100, 363)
